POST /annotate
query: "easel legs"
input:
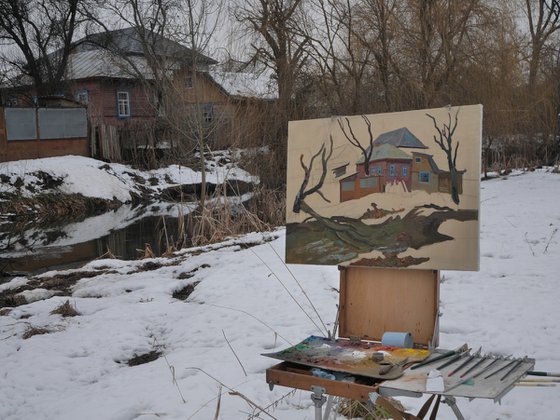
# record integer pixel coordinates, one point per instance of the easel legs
(318, 398)
(452, 402)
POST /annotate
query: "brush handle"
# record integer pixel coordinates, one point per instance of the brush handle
(538, 373)
(435, 359)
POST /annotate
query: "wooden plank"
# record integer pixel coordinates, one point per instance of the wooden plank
(377, 300)
(296, 376)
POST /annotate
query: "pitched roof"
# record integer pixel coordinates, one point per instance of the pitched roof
(386, 151)
(129, 41)
(246, 84)
(101, 63)
(401, 137)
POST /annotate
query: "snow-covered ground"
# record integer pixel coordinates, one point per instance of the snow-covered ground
(79, 370)
(94, 178)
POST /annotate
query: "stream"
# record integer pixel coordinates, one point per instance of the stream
(124, 232)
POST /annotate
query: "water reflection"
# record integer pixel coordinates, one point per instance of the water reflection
(124, 232)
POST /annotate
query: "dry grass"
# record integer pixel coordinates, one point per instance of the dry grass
(31, 330)
(220, 220)
(66, 309)
(355, 409)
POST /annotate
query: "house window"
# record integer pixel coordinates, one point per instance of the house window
(348, 186)
(379, 170)
(392, 170)
(404, 170)
(418, 160)
(12, 101)
(368, 182)
(189, 81)
(424, 177)
(82, 96)
(123, 104)
(208, 112)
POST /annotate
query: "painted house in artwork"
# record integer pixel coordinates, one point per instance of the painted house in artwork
(428, 177)
(390, 165)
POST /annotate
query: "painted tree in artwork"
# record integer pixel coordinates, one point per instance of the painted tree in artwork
(444, 139)
(351, 137)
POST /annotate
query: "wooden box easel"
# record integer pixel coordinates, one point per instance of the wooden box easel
(376, 300)
(372, 301)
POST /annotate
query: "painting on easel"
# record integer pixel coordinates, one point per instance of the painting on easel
(386, 190)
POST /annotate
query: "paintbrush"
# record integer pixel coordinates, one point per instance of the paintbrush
(461, 349)
(465, 363)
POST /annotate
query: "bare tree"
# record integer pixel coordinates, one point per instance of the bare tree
(436, 42)
(342, 60)
(172, 35)
(277, 22)
(351, 137)
(279, 43)
(37, 28)
(444, 140)
(543, 18)
(377, 31)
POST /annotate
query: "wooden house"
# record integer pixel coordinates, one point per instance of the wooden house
(390, 164)
(109, 74)
(428, 177)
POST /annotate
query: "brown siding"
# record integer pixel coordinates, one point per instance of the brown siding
(33, 149)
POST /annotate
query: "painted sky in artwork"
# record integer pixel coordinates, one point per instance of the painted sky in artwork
(386, 190)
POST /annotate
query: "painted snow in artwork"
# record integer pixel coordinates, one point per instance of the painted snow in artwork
(386, 190)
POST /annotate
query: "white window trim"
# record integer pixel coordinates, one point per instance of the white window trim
(124, 102)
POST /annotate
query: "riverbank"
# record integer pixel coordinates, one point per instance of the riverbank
(63, 201)
(27, 184)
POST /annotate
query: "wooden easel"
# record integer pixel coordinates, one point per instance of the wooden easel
(371, 302)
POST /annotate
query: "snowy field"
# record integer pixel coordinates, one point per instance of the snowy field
(240, 299)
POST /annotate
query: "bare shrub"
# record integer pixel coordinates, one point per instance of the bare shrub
(32, 330)
(66, 309)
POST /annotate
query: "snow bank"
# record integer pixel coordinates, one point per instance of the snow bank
(93, 178)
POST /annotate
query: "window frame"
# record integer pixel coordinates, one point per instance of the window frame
(425, 174)
(126, 103)
(82, 93)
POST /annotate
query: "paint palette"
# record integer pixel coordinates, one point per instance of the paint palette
(354, 357)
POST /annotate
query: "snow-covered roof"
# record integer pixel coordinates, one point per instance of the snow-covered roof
(103, 63)
(100, 63)
(246, 84)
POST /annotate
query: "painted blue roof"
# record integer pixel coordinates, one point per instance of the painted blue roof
(401, 137)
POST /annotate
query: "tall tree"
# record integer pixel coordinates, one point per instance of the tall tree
(340, 58)
(279, 43)
(543, 18)
(37, 28)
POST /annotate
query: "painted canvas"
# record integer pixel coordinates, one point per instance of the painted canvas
(386, 190)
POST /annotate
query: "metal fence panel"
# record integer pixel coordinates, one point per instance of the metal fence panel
(62, 123)
(20, 123)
